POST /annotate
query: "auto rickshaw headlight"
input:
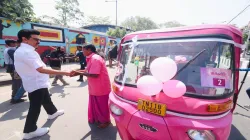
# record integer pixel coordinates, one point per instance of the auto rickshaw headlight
(201, 135)
(116, 110)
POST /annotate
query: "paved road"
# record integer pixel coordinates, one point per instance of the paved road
(241, 119)
(73, 124)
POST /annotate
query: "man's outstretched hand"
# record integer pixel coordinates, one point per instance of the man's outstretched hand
(74, 73)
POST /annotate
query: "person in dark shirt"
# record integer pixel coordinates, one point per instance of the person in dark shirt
(18, 90)
(112, 55)
(82, 60)
(56, 58)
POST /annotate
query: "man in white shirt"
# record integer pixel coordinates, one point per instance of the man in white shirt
(35, 78)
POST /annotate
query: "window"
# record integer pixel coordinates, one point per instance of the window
(201, 76)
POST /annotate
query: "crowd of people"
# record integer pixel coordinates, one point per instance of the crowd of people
(30, 74)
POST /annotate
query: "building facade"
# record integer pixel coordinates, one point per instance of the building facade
(54, 36)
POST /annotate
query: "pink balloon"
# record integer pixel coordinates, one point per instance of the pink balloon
(174, 88)
(183, 59)
(177, 58)
(148, 85)
(163, 68)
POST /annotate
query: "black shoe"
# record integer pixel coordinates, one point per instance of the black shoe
(13, 101)
(80, 80)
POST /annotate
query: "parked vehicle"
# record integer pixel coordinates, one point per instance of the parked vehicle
(204, 112)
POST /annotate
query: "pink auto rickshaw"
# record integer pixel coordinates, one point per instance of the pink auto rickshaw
(206, 58)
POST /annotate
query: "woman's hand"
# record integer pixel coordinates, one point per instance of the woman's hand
(83, 71)
(75, 73)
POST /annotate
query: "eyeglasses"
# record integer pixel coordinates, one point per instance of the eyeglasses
(36, 39)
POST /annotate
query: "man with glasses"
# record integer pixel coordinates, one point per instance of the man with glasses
(35, 78)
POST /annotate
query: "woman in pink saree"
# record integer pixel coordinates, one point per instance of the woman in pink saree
(98, 85)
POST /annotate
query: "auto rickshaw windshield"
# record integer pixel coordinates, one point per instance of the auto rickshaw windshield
(207, 74)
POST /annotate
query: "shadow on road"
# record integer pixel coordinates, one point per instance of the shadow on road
(5, 106)
(96, 133)
(83, 84)
(235, 134)
(236, 113)
(47, 136)
(57, 89)
(13, 111)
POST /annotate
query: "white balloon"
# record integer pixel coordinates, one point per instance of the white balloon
(149, 86)
(163, 68)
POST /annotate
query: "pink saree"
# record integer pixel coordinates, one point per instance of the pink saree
(98, 110)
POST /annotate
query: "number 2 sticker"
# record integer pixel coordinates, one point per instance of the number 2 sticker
(219, 82)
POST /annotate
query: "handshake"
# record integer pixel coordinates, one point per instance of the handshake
(74, 73)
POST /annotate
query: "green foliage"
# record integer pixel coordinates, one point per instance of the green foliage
(171, 24)
(245, 31)
(139, 23)
(228, 54)
(98, 20)
(245, 36)
(117, 32)
(16, 10)
(68, 12)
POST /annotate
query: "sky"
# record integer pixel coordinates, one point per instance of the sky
(187, 12)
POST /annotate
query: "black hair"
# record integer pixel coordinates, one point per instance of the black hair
(19, 41)
(92, 48)
(9, 41)
(58, 48)
(27, 33)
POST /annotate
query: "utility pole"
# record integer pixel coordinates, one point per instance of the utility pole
(115, 9)
(116, 14)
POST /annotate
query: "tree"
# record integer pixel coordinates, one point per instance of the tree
(117, 32)
(139, 23)
(245, 36)
(17, 10)
(68, 12)
(98, 20)
(245, 31)
(171, 24)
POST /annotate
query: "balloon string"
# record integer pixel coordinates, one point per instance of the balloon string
(129, 60)
(126, 67)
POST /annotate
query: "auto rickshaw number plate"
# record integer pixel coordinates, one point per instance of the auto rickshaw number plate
(152, 107)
